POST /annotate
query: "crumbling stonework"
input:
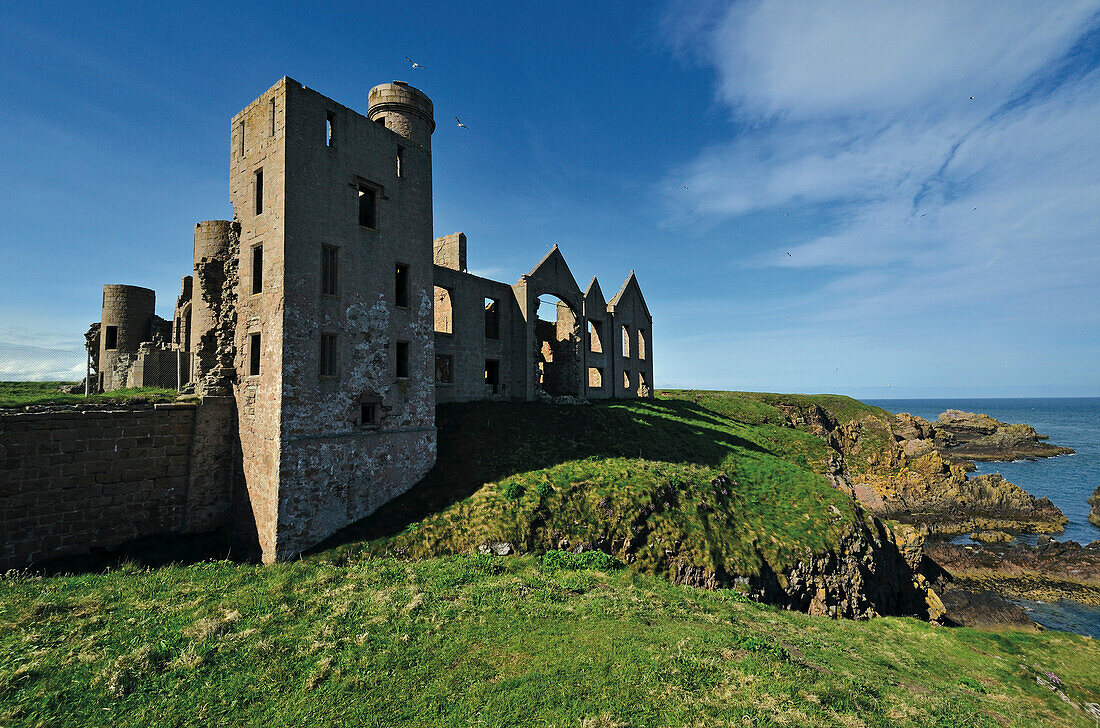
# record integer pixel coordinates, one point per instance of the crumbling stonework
(333, 321)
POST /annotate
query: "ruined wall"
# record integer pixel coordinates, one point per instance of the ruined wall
(468, 345)
(76, 480)
(126, 322)
(450, 251)
(599, 367)
(632, 352)
(258, 144)
(334, 467)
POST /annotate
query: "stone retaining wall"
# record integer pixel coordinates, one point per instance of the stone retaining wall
(76, 480)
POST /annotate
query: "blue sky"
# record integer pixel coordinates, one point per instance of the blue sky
(808, 194)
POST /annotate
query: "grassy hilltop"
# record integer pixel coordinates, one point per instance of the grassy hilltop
(440, 636)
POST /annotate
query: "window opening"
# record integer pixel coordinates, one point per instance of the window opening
(401, 286)
(444, 369)
(110, 338)
(329, 270)
(370, 414)
(400, 160)
(240, 139)
(595, 378)
(327, 365)
(492, 374)
(258, 191)
(626, 381)
(595, 337)
(402, 360)
(626, 341)
(368, 206)
(444, 311)
(257, 268)
(641, 343)
(254, 354)
(492, 318)
(330, 122)
(272, 117)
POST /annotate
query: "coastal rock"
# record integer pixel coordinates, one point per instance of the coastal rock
(973, 605)
(991, 537)
(971, 436)
(1094, 512)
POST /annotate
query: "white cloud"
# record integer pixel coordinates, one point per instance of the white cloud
(19, 362)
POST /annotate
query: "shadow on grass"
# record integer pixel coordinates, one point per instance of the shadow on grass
(483, 442)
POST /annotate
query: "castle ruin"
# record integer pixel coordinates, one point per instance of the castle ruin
(332, 323)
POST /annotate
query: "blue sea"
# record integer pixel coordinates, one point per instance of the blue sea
(1068, 480)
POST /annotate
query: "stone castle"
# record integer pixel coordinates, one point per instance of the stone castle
(329, 323)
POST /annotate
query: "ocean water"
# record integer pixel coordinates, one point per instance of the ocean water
(1068, 480)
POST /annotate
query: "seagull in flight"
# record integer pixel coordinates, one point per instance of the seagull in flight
(417, 65)
(971, 98)
(461, 124)
(789, 255)
(923, 214)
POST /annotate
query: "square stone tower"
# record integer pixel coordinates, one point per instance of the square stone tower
(334, 333)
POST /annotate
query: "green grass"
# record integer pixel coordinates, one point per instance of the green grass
(514, 641)
(633, 478)
(21, 394)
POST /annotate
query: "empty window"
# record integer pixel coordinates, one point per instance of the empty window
(402, 360)
(444, 310)
(595, 378)
(327, 364)
(492, 374)
(330, 136)
(329, 270)
(381, 121)
(641, 344)
(595, 337)
(626, 381)
(626, 341)
(253, 354)
(492, 318)
(401, 286)
(258, 190)
(257, 268)
(444, 369)
(400, 160)
(370, 414)
(110, 338)
(368, 206)
(240, 139)
(643, 385)
(272, 117)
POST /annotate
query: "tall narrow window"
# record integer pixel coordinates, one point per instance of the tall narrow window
(626, 341)
(492, 318)
(641, 343)
(368, 206)
(272, 117)
(595, 337)
(444, 311)
(401, 286)
(595, 378)
(444, 369)
(492, 374)
(402, 360)
(330, 130)
(257, 268)
(400, 160)
(110, 338)
(327, 361)
(626, 381)
(258, 190)
(240, 139)
(254, 354)
(329, 270)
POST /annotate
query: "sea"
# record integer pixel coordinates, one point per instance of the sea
(1068, 480)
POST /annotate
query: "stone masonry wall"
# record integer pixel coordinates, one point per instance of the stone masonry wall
(72, 481)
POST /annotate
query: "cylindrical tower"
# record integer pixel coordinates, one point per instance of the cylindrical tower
(213, 248)
(126, 322)
(405, 110)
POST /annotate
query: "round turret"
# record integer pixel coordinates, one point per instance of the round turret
(126, 322)
(212, 239)
(403, 109)
(214, 242)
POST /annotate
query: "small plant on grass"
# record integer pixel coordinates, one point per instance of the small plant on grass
(513, 491)
(969, 682)
(543, 488)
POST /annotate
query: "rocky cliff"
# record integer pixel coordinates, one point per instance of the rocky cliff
(1094, 512)
(962, 436)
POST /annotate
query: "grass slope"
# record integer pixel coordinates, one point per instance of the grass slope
(471, 640)
(634, 477)
(21, 394)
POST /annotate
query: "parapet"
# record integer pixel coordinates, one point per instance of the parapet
(403, 109)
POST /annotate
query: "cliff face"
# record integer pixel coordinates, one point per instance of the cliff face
(1094, 512)
(907, 469)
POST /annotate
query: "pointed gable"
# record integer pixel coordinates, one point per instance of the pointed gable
(552, 275)
(629, 289)
(595, 305)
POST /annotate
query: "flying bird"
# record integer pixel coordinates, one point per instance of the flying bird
(417, 65)
(685, 187)
(971, 98)
(461, 124)
(923, 214)
(789, 255)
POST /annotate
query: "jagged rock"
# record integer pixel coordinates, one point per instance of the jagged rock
(991, 537)
(1094, 512)
(495, 548)
(971, 436)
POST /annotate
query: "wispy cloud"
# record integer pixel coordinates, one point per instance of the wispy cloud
(933, 206)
